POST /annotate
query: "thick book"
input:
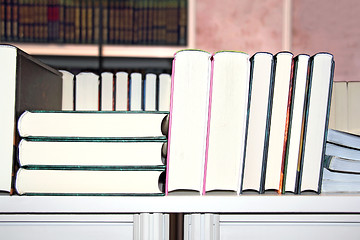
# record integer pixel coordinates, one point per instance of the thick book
(27, 84)
(93, 124)
(188, 120)
(316, 121)
(103, 181)
(87, 92)
(260, 94)
(135, 92)
(164, 92)
(342, 138)
(296, 124)
(227, 122)
(342, 159)
(150, 92)
(121, 92)
(85, 153)
(279, 121)
(107, 92)
(337, 182)
(68, 90)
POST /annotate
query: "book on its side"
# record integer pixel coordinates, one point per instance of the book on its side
(260, 94)
(296, 126)
(342, 159)
(90, 182)
(27, 83)
(109, 124)
(188, 121)
(316, 121)
(135, 92)
(337, 182)
(121, 92)
(227, 122)
(279, 121)
(76, 152)
(150, 92)
(343, 138)
(164, 92)
(68, 91)
(107, 91)
(87, 92)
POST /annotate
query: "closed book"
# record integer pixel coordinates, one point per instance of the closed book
(188, 120)
(26, 84)
(227, 122)
(135, 92)
(93, 124)
(107, 91)
(296, 126)
(337, 182)
(316, 121)
(342, 159)
(261, 88)
(90, 182)
(121, 92)
(279, 121)
(86, 153)
(87, 92)
(164, 92)
(68, 90)
(343, 138)
(150, 93)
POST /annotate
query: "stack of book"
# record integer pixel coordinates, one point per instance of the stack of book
(243, 124)
(92, 153)
(342, 163)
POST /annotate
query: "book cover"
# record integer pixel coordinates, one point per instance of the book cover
(27, 84)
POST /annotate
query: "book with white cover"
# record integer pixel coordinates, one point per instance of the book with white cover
(229, 93)
(188, 120)
(150, 92)
(316, 121)
(296, 127)
(87, 92)
(121, 93)
(135, 93)
(261, 85)
(112, 124)
(279, 121)
(164, 92)
(106, 91)
(68, 91)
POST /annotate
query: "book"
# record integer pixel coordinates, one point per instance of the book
(164, 92)
(280, 111)
(89, 182)
(27, 83)
(121, 93)
(106, 91)
(316, 121)
(259, 115)
(227, 122)
(342, 159)
(116, 154)
(87, 92)
(68, 90)
(109, 124)
(295, 132)
(343, 138)
(150, 92)
(188, 121)
(135, 92)
(336, 182)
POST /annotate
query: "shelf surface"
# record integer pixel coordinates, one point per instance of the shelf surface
(186, 204)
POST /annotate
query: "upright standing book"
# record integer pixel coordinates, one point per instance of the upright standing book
(188, 120)
(316, 121)
(261, 80)
(27, 84)
(87, 92)
(296, 127)
(279, 121)
(227, 122)
(121, 92)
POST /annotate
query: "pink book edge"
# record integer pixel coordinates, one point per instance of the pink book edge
(208, 125)
(170, 126)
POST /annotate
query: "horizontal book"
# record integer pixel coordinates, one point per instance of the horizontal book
(26, 84)
(89, 182)
(343, 138)
(43, 152)
(344, 165)
(336, 182)
(112, 124)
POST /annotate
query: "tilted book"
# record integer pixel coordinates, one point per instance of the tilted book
(28, 84)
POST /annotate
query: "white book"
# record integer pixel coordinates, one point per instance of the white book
(135, 92)
(150, 92)
(316, 124)
(188, 120)
(164, 91)
(291, 168)
(258, 122)
(279, 121)
(107, 91)
(229, 95)
(68, 90)
(87, 92)
(121, 94)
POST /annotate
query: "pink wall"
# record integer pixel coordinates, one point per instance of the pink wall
(256, 25)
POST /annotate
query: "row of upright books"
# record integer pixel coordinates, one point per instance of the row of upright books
(235, 124)
(145, 22)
